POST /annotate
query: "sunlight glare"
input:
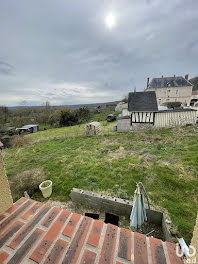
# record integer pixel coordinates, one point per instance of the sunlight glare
(110, 20)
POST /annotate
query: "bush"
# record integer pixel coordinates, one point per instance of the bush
(68, 118)
(173, 104)
(26, 181)
(20, 141)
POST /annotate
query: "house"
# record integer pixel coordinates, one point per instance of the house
(194, 98)
(120, 106)
(171, 89)
(140, 111)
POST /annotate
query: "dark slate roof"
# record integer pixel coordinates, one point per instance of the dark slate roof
(164, 82)
(194, 82)
(142, 101)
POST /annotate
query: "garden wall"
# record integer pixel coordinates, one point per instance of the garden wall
(119, 207)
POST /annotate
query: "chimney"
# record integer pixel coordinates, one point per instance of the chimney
(174, 75)
(162, 76)
(147, 83)
(186, 77)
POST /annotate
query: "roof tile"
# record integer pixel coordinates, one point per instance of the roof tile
(142, 101)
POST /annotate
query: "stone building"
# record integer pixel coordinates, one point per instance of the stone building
(171, 89)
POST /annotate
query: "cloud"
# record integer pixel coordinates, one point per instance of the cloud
(62, 51)
(6, 68)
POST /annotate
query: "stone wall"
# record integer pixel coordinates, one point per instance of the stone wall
(5, 193)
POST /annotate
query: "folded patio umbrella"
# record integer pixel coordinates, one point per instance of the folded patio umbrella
(138, 213)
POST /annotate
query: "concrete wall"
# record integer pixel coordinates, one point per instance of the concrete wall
(173, 94)
(124, 125)
(5, 193)
(119, 207)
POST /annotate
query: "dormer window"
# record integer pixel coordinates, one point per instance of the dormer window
(169, 84)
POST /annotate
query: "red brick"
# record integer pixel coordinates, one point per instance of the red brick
(171, 248)
(140, 249)
(157, 251)
(25, 248)
(118, 262)
(48, 239)
(16, 205)
(96, 230)
(77, 242)
(56, 252)
(28, 227)
(32, 210)
(2, 217)
(108, 248)
(69, 229)
(10, 232)
(3, 256)
(88, 257)
(51, 216)
(16, 214)
(124, 250)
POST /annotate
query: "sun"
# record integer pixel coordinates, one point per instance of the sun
(110, 20)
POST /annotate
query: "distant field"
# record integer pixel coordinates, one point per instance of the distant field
(166, 161)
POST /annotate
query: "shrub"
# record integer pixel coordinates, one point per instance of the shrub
(26, 181)
(20, 141)
(68, 118)
(173, 104)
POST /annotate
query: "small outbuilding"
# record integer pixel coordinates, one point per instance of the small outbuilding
(142, 108)
(29, 129)
(92, 128)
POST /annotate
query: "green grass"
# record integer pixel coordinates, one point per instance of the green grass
(166, 161)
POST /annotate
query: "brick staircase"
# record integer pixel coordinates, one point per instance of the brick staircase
(32, 232)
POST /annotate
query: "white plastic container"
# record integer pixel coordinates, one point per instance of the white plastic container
(46, 188)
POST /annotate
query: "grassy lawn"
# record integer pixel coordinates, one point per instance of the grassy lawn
(166, 161)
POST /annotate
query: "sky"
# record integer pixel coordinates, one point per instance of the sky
(63, 51)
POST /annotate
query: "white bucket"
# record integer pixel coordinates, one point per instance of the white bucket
(46, 190)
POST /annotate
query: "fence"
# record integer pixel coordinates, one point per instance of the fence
(168, 118)
(175, 118)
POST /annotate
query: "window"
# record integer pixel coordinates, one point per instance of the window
(176, 100)
(177, 92)
(159, 101)
(160, 92)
